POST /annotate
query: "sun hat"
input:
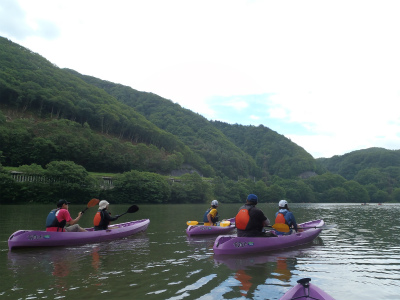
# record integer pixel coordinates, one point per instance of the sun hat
(103, 204)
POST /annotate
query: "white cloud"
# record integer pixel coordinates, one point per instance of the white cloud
(237, 104)
(277, 112)
(331, 68)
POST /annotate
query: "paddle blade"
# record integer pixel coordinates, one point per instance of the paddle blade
(225, 223)
(281, 227)
(132, 209)
(93, 202)
(192, 223)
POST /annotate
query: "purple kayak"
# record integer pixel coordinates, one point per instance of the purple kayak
(230, 244)
(35, 238)
(304, 290)
(208, 230)
(194, 229)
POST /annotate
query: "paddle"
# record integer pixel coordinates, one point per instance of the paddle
(91, 203)
(193, 223)
(131, 209)
(285, 228)
(222, 223)
(327, 227)
(225, 223)
(280, 227)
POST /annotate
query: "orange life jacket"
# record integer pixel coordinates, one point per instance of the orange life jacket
(97, 219)
(242, 219)
(280, 218)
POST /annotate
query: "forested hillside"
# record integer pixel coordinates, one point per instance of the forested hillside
(57, 126)
(33, 89)
(377, 169)
(350, 164)
(273, 152)
(233, 151)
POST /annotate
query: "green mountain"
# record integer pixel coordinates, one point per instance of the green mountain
(31, 84)
(351, 164)
(220, 144)
(34, 90)
(59, 119)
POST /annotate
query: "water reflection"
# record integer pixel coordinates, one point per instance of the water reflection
(357, 260)
(235, 262)
(205, 242)
(259, 272)
(59, 267)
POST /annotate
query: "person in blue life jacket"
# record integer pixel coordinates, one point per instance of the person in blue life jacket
(103, 217)
(284, 216)
(210, 217)
(250, 221)
(59, 219)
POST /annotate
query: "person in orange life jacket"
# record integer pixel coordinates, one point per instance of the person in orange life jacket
(284, 216)
(103, 218)
(210, 217)
(58, 219)
(250, 221)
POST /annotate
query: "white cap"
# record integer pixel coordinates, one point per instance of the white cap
(103, 204)
(214, 203)
(282, 203)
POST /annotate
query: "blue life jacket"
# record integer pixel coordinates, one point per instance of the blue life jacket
(52, 221)
(205, 219)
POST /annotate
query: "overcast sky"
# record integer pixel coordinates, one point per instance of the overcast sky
(323, 73)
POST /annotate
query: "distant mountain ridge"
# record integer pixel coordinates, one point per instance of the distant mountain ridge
(270, 153)
(48, 114)
(350, 164)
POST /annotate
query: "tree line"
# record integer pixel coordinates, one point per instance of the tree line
(75, 183)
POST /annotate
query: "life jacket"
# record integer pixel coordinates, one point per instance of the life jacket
(51, 220)
(242, 218)
(99, 221)
(97, 218)
(280, 218)
(205, 219)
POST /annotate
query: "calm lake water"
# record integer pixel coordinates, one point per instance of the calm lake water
(359, 259)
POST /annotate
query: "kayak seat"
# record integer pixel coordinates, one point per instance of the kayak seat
(283, 233)
(304, 281)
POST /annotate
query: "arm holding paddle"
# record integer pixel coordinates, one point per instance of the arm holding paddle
(59, 217)
(64, 216)
(103, 218)
(75, 221)
(93, 202)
